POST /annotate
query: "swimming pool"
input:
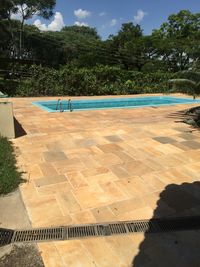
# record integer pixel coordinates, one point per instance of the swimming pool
(108, 103)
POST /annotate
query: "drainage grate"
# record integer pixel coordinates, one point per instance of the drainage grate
(95, 230)
(43, 234)
(5, 236)
(81, 231)
(138, 226)
(118, 228)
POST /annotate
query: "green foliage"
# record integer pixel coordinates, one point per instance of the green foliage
(26, 9)
(9, 87)
(184, 24)
(85, 32)
(172, 47)
(78, 62)
(177, 40)
(10, 177)
(99, 80)
(128, 44)
(188, 82)
(43, 81)
(5, 6)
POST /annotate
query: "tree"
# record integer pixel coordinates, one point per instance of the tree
(82, 45)
(44, 47)
(174, 47)
(5, 7)
(177, 40)
(86, 32)
(27, 9)
(5, 27)
(128, 45)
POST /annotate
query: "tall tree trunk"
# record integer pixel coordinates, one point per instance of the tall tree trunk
(12, 38)
(21, 38)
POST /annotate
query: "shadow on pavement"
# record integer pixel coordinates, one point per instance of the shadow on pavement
(174, 249)
(19, 130)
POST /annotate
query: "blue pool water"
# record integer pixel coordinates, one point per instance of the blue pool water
(107, 103)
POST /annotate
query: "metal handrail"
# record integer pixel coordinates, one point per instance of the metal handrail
(69, 101)
(70, 105)
(58, 103)
(61, 109)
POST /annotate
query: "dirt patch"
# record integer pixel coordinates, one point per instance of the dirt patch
(22, 256)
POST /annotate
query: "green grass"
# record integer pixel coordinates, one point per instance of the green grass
(10, 177)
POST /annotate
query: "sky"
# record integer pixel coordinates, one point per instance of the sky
(108, 15)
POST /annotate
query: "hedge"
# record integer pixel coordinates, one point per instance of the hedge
(100, 80)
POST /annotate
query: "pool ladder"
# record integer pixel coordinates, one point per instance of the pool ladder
(60, 106)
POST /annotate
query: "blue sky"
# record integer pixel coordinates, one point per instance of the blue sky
(108, 15)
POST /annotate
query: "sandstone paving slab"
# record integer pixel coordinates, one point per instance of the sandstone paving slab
(107, 165)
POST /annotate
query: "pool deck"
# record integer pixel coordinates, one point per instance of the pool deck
(110, 165)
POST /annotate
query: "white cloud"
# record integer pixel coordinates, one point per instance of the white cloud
(113, 22)
(80, 24)
(109, 24)
(82, 14)
(56, 25)
(139, 16)
(18, 14)
(39, 25)
(102, 14)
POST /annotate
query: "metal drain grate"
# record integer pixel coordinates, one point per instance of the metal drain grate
(81, 231)
(118, 228)
(95, 230)
(5, 236)
(138, 226)
(43, 234)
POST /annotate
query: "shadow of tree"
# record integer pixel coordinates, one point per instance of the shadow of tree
(178, 114)
(173, 249)
(19, 130)
(185, 115)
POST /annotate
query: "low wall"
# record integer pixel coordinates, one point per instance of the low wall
(7, 128)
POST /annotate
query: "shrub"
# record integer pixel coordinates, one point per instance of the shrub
(9, 87)
(99, 80)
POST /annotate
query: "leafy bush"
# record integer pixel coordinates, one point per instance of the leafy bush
(42, 81)
(9, 87)
(99, 80)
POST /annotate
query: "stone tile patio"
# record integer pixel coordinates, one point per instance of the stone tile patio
(108, 165)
